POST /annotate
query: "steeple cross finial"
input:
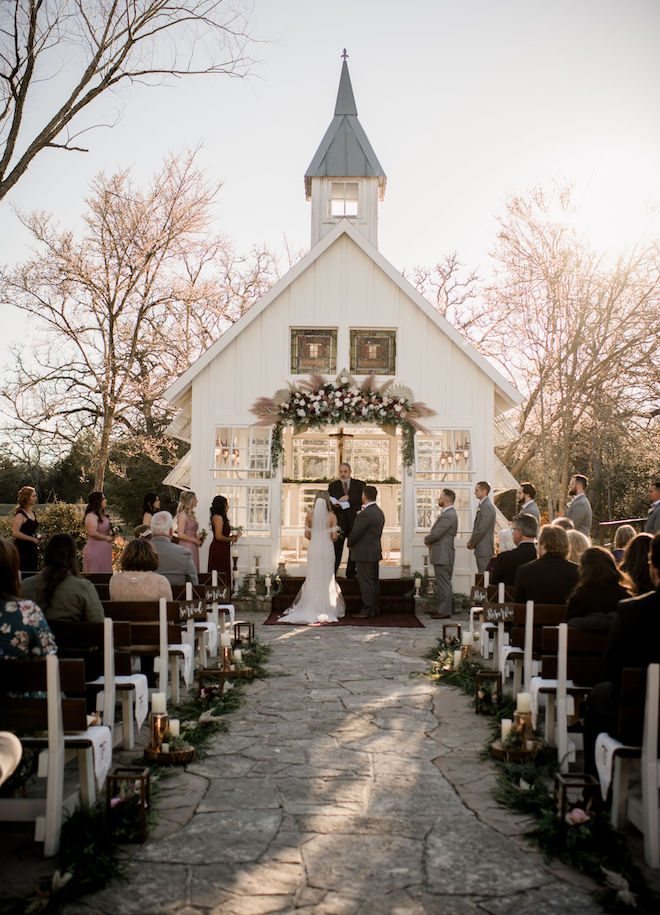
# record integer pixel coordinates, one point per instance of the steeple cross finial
(344, 55)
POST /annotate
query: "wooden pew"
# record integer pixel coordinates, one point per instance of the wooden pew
(54, 714)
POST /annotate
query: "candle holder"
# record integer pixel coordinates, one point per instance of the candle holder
(426, 565)
(158, 726)
(226, 658)
(234, 559)
(454, 628)
(252, 584)
(418, 585)
(522, 724)
(269, 584)
(128, 788)
(484, 697)
(257, 558)
(574, 789)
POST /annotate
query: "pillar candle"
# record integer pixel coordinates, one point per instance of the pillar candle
(418, 582)
(500, 593)
(253, 571)
(486, 579)
(506, 726)
(175, 727)
(238, 654)
(523, 702)
(189, 592)
(225, 640)
(158, 703)
(214, 578)
(457, 657)
(268, 580)
(164, 748)
(235, 555)
(467, 639)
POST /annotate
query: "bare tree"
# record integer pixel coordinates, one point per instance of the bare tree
(100, 45)
(126, 308)
(575, 331)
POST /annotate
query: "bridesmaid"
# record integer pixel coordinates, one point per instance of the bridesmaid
(220, 549)
(97, 555)
(187, 525)
(24, 530)
(150, 506)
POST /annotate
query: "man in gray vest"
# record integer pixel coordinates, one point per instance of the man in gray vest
(174, 562)
(482, 538)
(579, 511)
(440, 541)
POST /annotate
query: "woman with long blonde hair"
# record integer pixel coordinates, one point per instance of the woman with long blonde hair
(24, 529)
(187, 525)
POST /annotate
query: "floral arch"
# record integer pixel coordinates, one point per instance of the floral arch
(316, 403)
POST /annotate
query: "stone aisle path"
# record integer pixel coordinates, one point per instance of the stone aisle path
(344, 786)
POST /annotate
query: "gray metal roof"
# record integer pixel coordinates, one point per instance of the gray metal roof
(345, 151)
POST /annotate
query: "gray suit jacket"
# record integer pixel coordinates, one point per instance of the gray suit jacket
(653, 521)
(579, 511)
(174, 562)
(364, 539)
(532, 509)
(440, 538)
(482, 537)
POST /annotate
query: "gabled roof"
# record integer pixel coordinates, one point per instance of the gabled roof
(506, 395)
(345, 151)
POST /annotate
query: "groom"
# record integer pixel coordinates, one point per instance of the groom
(346, 497)
(364, 544)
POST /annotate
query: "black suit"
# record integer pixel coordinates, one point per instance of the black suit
(507, 564)
(548, 580)
(346, 518)
(634, 641)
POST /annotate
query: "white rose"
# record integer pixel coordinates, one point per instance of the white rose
(301, 413)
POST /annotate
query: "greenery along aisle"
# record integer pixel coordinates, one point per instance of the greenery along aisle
(584, 839)
(90, 856)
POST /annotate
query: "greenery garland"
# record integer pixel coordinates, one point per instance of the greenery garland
(586, 839)
(317, 403)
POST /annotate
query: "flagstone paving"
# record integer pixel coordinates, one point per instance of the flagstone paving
(344, 786)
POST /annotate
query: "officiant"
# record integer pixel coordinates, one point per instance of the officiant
(346, 497)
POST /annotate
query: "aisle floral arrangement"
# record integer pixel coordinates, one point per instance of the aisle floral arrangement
(317, 402)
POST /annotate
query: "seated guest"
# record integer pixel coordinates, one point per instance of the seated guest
(622, 538)
(174, 561)
(593, 602)
(24, 632)
(577, 544)
(142, 530)
(566, 523)
(138, 579)
(634, 641)
(551, 577)
(635, 563)
(59, 590)
(507, 564)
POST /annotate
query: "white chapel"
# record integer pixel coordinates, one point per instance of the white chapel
(344, 313)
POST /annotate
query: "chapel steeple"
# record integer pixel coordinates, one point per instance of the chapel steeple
(345, 180)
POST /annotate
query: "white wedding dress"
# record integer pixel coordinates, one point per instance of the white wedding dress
(320, 599)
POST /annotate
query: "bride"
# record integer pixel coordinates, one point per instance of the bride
(319, 600)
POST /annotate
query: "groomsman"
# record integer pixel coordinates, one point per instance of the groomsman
(579, 511)
(482, 538)
(440, 541)
(527, 501)
(652, 525)
(346, 496)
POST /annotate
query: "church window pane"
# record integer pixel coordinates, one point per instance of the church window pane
(313, 350)
(344, 198)
(373, 352)
(249, 506)
(241, 452)
(443, 456)
(426, 507)
(314, 458)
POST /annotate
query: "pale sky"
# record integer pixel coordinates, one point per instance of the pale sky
(464, 102)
